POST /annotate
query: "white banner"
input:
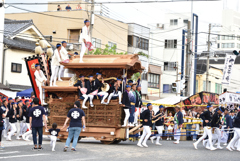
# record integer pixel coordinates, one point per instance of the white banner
(227, 71)
(229, 98)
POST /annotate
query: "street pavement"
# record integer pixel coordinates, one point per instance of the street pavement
(89, 149)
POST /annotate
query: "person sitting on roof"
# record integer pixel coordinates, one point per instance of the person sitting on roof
(78, 7)
(68, 8)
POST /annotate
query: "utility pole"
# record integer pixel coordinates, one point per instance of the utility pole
(188, 61)
(209, 44)
(91, 20)
(2, 14)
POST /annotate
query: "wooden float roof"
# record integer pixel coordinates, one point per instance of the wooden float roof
(106, 61)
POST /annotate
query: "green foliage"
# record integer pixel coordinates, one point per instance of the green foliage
(135, 76)
(143, 54)
(107, 51)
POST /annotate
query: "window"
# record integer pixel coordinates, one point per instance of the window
(153, 80)
(238, 37)
(218, 45)
(167, 88)
(185, 22)
(48, 38)
(96, 42)
(238, 46)
(130, 40)
(111, 44)
(173, 22)
(169, 44)
(231, 37)
(219, 37)
(209, 85)
(196, 86)
(228, 45)
(144, 76)
(204, 85)
(218, 88)
(169, 66)
(17, 68)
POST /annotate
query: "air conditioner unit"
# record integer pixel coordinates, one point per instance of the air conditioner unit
(69, 46)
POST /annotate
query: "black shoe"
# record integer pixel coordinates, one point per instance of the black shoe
(73, 150)
(40, 148)
(65, 149)
(34, 149)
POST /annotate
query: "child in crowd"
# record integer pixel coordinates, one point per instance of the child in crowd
(54, 134)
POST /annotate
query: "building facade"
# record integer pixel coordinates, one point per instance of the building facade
(19, 41)
(166, 50)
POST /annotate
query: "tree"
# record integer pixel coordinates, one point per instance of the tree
(107, 51)
(135, 76)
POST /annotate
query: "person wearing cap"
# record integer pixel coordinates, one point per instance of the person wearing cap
(130, 82)
(178, 121)
(97, 86)
(159, 124)
(19, 119)
(126, 104)
(215, 123)
(147, 122)
(82, 84)
(76, 117)
(133, 101)
(84, 38)
(117, 91)
(138, 104)
(10, 100)
(55, 64)
(40, 81)
(28, 133)
(36, 119)
(12, 120)
(207, 118)
(236, 137)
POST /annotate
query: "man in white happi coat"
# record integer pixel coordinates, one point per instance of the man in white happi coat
(64, 56)
(84, 38)
(40, 81)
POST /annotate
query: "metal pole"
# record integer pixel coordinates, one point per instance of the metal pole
(91, 17)
(207, 81)
(188, 60)
(177, 77)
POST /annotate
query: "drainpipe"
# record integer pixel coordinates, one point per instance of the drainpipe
(195, 55)
(3, 64)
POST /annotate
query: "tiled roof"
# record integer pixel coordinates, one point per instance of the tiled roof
(19, 43)
(13, 27)
(4, 87)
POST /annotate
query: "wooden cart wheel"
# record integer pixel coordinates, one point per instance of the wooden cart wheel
(107, 142)
(116, 141)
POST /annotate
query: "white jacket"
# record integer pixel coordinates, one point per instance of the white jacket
(85, 34)
(56, 58)
(64, 54)
(39, 77)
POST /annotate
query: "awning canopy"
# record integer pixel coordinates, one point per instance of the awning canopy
(25, 93)
(170, 100)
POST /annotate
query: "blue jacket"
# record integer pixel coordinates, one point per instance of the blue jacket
(229, 121)
(180, 118)
(237, 121)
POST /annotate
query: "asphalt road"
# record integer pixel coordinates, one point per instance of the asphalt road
(127, 151)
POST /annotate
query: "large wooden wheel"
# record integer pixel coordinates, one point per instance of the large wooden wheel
(110, 142)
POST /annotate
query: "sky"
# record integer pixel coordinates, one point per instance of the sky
(152, 13)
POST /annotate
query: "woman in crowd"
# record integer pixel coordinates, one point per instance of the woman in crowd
(189, 125)
(196, 127)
